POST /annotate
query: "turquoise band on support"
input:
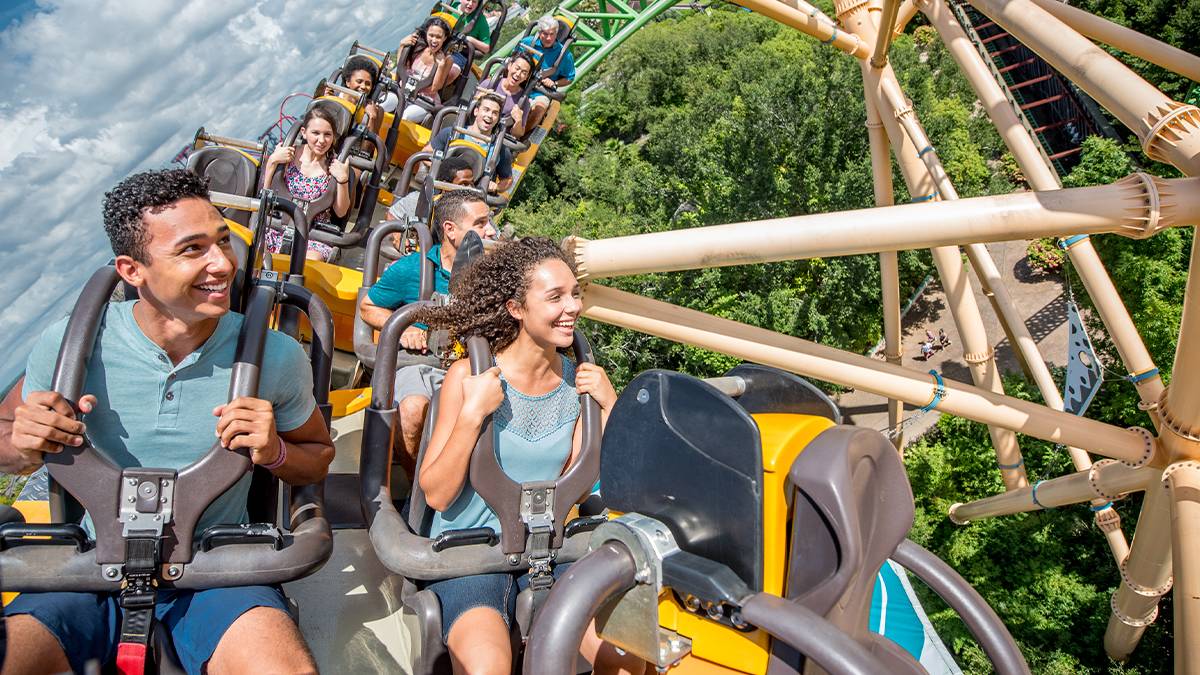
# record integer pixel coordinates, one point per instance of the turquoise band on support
(831, 38)
(1144, 375)
(928, 148)
(925, 198)
(939, 392)
(1010, 467)
(1033, 495)
(1068, 242)
(1101, 507)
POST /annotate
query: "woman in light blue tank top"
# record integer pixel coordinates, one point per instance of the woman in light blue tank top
(524, 299)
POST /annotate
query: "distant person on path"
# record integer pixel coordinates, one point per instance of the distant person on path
(926, 350)
(943, 340)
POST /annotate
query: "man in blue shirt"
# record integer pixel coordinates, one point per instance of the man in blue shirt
(455, 214)
(155, 389)
(546, 43)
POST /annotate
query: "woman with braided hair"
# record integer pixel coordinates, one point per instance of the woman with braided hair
(523, 298)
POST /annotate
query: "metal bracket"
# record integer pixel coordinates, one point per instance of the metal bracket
(147, 500)
(537, 505)
(631, 621)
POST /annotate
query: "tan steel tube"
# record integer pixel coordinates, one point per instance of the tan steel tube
(884, 34)
(1121, 207)
(981, 259)
(1180, 406)
(1107, 480)
(1125, 39)
(977, 349)
(1145, 575)
(908, 9)
(662, 319)
(889, 264)
(808, 19)
(1169, 131)
(1183, 480)
(1037, 171)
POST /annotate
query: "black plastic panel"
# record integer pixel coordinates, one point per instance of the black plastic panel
(678, 450)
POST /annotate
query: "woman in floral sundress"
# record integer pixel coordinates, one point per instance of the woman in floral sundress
(314, 179)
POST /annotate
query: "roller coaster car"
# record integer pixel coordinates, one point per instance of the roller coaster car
(482, 153)
(750, 540)
(145, 518)
(566, 37)
(534, 530)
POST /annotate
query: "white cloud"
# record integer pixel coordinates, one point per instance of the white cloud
(96, 90)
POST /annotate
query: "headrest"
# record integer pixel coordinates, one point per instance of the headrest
(228, 170)
(341, 111)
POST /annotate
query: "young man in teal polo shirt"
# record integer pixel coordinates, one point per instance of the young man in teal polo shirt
(455, 213)
(155, 391)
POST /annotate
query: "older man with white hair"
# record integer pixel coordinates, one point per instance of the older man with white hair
(545, 42)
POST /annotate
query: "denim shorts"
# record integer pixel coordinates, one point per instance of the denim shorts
(460, 60)
(88, 625)
(498, 591)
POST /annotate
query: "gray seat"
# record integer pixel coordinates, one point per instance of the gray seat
(228, 170)
(853, 507)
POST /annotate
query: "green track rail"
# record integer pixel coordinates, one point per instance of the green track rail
(600, 27)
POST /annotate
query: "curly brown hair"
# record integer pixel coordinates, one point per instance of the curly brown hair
(479, 295)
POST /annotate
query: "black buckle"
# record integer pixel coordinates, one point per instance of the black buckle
(139, 592)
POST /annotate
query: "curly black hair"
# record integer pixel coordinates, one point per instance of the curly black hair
(127, 203)
(359, 62)
(478, 299)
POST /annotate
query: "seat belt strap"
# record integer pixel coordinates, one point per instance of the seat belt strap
(137, 599)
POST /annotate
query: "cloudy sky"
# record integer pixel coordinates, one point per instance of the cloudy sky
(97, 89)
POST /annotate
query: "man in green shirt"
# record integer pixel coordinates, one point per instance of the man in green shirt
(479, 35)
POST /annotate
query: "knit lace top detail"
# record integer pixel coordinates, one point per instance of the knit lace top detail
(536, 417)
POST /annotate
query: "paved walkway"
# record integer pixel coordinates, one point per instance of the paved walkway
(1040, 299)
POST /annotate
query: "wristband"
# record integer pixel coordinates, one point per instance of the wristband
(280, 459)
(341, 182)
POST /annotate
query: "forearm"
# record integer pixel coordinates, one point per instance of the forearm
(341, 199)
(480, 46)
(374, 316)
(267, 172)
(306, 462)
(439, 77)
(12, 460)
(443, 479)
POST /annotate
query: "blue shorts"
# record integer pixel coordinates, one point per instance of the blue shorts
(498, 591)
(88, 625)
(460, 60)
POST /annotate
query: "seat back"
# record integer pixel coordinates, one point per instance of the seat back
(228, 170)
(852, 506)
(678, 450)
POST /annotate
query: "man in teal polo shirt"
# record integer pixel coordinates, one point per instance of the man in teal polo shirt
(155, 395)
(455, 213)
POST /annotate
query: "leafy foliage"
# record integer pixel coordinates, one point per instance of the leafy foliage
(1044, 255)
